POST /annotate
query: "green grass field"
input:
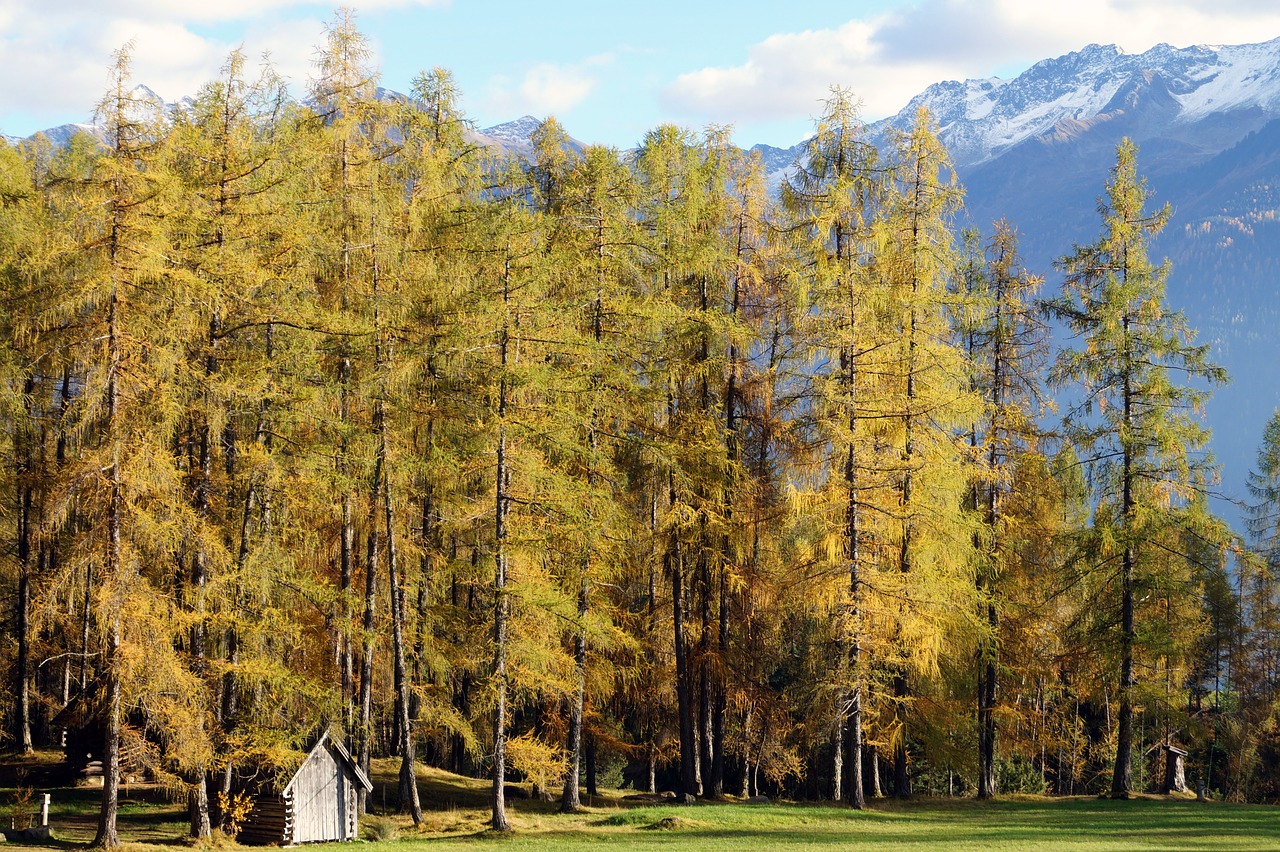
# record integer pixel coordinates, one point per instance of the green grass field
(456, 818)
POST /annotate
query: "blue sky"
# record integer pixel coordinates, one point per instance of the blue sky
(608, 71)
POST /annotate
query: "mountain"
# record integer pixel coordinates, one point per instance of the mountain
(1204, 98)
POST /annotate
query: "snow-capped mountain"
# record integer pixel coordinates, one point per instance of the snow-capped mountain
(516, 133)
(980, 119)
(1037, 149)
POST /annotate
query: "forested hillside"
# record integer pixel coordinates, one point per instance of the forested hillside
(603, 466)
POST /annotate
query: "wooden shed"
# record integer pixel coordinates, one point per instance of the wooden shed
(1175, 774)
(317, 804)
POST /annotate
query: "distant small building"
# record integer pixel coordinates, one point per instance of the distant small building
(315, 805)
(83, 727)
(1175, 774)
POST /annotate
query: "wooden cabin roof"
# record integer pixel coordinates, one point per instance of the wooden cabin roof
(344, 757)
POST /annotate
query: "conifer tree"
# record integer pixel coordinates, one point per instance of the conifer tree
(683, 186)
(18, 223)
(929, 404)
(1007, 343)
(128, 303)
(591, 203)
(351, 141)
(225, 153)
(1135, 421)
(834, 197)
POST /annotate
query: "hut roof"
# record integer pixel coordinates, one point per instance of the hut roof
(325, 741)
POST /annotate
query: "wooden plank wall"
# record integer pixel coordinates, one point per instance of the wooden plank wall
(269, 823)
(315, 791)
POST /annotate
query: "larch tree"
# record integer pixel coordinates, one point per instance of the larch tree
(833, 197)
(119, 310)
(1142, 380)
(930, 404)
(20, 231)
(684, 215)
(1007, 339)
(224, 152)
(343, 164)
(595, 236)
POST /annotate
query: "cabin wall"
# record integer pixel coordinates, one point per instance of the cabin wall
(317, 793)
(319, 804)
(269, 822)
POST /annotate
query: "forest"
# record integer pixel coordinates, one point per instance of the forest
(596, 467)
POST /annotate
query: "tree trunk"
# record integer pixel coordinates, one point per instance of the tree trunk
(856, 794)
(198, 796)
(107, 835)
(877, 788)
(346, 562)
(22, 669)
(590, 756)
(684, 703)
(706, 780)
(372, 557)
(499, 819)
(408, 790)
(837, 755)
(570, 799)
(720, 707)
(901, 773)
(1122, 778)
(500, 601)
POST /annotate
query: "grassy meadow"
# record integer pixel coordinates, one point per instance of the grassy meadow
(456, 818)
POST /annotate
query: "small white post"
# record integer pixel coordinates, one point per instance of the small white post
(44, 811)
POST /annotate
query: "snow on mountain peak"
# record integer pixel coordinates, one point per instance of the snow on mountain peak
(982, 118)
(517, 132)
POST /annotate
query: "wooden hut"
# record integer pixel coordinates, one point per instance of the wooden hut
(83, 728)
(316, 804)
(1175, 775)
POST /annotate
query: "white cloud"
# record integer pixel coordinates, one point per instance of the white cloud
(213, 11)
(54, 57)
(888, 58)
(544, 89)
